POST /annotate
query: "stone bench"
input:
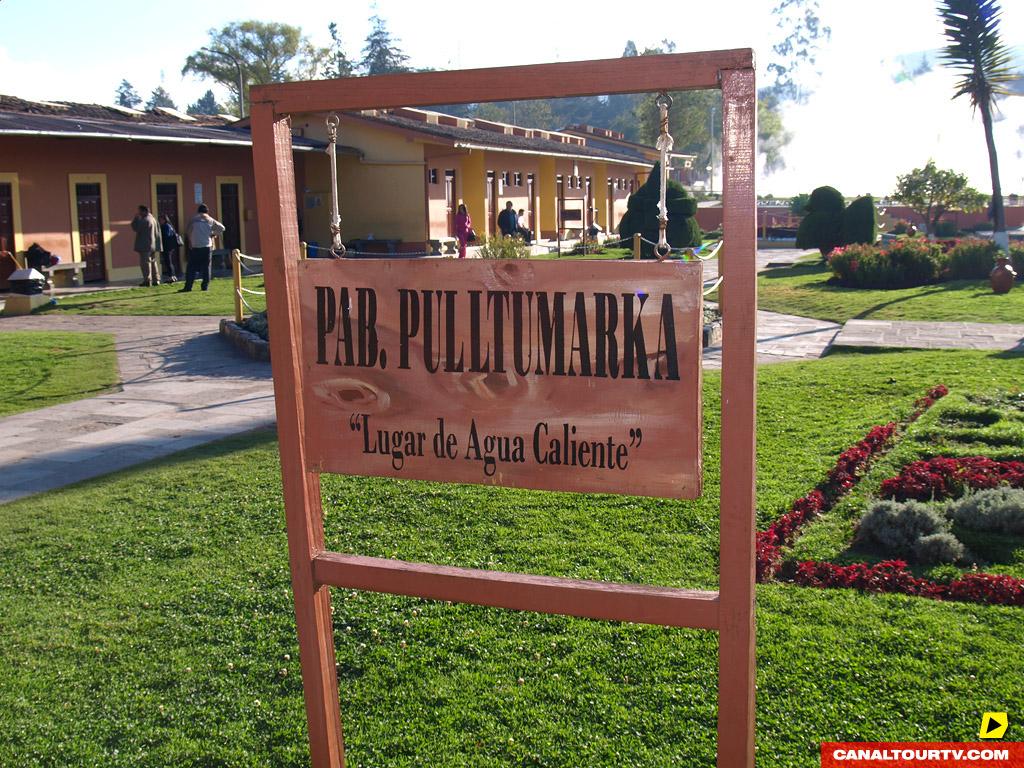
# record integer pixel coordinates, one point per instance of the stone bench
(66, 275)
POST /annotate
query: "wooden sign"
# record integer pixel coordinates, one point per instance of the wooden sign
(572, 376)
(370, 357)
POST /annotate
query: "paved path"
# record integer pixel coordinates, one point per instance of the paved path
(919, 335)
(182, 386)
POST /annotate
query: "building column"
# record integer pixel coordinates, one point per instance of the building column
(547, 194)
(473, 190)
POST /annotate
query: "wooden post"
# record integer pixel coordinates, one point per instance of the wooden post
(236, 278)
(636, 245)
(272, 160)
(738, 293)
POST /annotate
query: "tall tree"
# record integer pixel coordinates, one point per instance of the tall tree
(981, 59)
(207, 105)
(932, 191)
(160, 98)
(337, 63)
(127, 96)
(269, 52)
(802, 30)
(381, 53)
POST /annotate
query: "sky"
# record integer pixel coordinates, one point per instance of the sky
(857, 131)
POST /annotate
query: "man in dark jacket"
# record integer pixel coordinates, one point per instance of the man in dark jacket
(508, 222)
(147, 245)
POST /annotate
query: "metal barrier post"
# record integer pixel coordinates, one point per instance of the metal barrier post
(636, 245)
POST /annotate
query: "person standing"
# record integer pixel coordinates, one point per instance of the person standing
(463, 228)
(147, 245)
(201, 231)
(169, 254)
(508, 222)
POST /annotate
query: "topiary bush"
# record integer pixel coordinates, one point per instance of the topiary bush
(999, 510)
(905, 263)
(860, 222)
(972, 259)
(642, 215)
(821, 226)
(895, 527)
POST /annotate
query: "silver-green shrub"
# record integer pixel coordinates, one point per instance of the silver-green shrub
(504, 248)
(938, 548)
(895, 527)
(1000, 510)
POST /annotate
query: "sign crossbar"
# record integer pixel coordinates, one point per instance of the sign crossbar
(666, 606)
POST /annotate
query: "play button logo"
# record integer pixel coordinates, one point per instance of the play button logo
(993, 725)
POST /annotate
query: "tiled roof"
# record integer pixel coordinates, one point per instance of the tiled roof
(29, 118)
(503, 141)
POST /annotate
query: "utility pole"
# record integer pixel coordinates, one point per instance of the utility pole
(241, 83)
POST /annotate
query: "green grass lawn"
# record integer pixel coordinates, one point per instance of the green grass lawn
(803, 290)
(42, 368)
(162, 300)
(147, 620)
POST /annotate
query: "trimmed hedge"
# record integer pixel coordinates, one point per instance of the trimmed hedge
(904, 264)
(860, 222)
(642, 215)
(821, 226)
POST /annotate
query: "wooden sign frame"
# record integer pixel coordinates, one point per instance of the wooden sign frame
(730, 610)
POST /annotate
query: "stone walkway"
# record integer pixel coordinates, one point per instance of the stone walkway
(181, 386)
(1002, 337)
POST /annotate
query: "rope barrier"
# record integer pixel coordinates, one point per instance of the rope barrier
(247, 304)
(664, 145)
(714, 286)
(253, 292)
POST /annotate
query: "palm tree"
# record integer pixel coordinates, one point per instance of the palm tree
(983, 63)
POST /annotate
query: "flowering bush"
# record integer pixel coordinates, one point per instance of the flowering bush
(972, 259)
(893, 576)
(905, 263)
(943, 478)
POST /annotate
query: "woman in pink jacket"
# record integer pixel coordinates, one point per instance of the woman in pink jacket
(463, 226)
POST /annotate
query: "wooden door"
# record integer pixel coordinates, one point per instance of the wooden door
(530, 203)
(492, 205)
(230, 216)
(7, 217)
(90, 231)
(450, 202)
(167, 203)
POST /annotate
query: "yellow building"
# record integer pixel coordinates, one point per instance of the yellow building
(402, 174)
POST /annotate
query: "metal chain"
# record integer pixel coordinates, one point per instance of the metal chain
(664, 145)
(337, 247)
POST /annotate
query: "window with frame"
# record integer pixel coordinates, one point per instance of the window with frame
(432, 175)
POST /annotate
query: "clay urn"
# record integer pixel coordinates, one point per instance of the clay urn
(1002, 276)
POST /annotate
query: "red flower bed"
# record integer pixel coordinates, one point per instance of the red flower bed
(848, 470)
(893, 576)
(841, 478)
(944, 478)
